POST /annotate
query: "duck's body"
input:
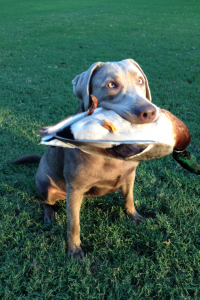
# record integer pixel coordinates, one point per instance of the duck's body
(129, 141)
(91, 128)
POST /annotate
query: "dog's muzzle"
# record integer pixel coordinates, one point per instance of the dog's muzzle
(139, 111)
(146, 113)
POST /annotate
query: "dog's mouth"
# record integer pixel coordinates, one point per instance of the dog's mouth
(127, 150)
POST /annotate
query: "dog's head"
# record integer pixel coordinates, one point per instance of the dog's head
(118, 86)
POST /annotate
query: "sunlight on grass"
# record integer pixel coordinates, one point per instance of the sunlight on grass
(44, 45)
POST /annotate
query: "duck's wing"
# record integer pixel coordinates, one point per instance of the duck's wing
(53, 129)
(133, 150)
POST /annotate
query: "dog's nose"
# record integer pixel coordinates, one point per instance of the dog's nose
(147, 113)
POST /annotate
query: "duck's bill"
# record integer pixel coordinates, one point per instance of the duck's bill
(127, 150)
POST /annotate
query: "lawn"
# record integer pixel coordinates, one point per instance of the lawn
(44, 45)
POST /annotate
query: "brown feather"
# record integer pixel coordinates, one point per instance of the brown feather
(181, 132)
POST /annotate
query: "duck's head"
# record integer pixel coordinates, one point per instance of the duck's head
(182, 140)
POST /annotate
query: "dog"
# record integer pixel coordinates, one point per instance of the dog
(72, 174)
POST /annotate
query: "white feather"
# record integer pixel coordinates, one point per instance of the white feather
(91, 128)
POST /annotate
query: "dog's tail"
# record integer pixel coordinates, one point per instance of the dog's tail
(27, 159)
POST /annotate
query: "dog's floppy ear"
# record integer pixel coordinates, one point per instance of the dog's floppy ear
(81, 84)
(148, 92)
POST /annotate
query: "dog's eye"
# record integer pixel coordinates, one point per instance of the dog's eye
(111, 85)
(140, 81)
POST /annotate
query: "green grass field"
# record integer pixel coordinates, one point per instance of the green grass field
(44, 45)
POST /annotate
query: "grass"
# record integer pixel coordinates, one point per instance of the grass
(44, 45)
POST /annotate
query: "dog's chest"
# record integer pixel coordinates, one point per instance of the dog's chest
(108, 180)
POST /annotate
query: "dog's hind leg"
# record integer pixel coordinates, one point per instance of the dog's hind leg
(49, 194)
(127, 193)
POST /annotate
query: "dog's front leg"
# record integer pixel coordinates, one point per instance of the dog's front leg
(74, 200)
(127, 193)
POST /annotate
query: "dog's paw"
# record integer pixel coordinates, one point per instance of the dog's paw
(48, 219)
(76, 254)
(136, 219)
(48, 214)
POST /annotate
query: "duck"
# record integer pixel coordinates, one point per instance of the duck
(104, 133)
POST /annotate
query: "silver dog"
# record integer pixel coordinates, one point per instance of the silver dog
(62, 172)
